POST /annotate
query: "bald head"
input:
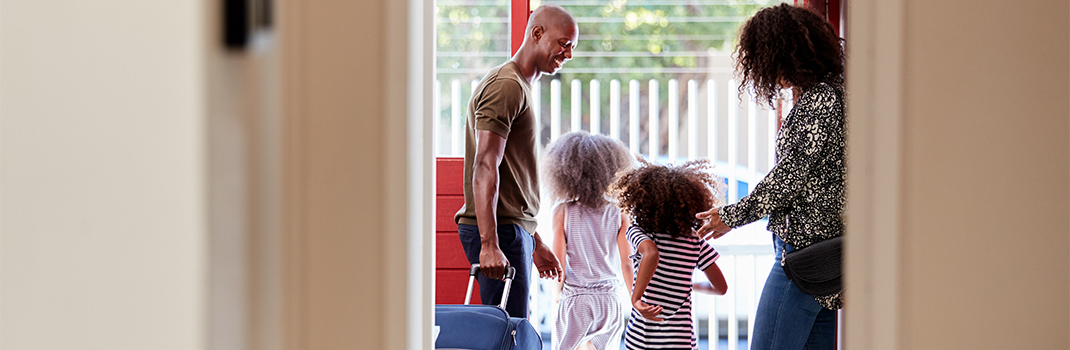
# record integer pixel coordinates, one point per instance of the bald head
(548, 42)
(550, 17)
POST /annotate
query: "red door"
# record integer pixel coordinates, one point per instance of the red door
(451, 266)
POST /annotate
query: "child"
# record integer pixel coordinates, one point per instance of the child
(663, 201)
(589, 237)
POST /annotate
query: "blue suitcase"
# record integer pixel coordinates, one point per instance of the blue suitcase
(483, 327)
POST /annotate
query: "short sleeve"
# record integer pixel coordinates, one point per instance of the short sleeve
(501, 101)
(635, 236)
(706, 255)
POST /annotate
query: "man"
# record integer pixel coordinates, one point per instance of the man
(501, 188)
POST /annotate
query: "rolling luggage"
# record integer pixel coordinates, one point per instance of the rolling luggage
(484, 327)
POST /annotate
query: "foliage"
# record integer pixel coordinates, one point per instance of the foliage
(619, 39)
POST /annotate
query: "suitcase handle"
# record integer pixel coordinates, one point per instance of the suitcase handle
(510, 272)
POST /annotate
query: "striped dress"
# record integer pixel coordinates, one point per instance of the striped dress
(591, 307)
(670, 287)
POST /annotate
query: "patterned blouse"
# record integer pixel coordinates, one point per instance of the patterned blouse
(803, 194)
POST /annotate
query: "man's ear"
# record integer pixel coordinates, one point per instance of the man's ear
(536, 33)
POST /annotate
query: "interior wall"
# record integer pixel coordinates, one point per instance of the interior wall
(986, 169)
(103, 229)
(141, 179)
(244, 193)
(358, 199)
(960, 190)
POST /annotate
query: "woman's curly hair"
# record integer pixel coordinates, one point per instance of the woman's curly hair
(665, 198)
(579, 167)
(787, 44)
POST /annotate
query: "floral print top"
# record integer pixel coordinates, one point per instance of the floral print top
(803, 194)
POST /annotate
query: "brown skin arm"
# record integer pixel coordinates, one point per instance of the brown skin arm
(560, 245)
(625, 250)
(490, 148)
(647, 264)
(716, 285)
(545, 261)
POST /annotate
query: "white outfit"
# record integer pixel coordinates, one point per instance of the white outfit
(591, 308)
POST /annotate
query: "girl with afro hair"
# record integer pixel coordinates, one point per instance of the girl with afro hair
(663, 202)
(588, 238)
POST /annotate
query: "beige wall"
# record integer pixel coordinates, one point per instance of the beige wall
(960, 148)
(160, 192)
(157, 223)
(358, 200)
(102, 175)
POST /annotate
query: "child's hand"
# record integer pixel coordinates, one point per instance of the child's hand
(648, 311)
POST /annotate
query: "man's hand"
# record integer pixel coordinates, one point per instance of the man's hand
(648, 311)
(492, 262)
(545, 261)
(714, 227)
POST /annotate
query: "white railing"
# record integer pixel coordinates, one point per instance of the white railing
(713, 130)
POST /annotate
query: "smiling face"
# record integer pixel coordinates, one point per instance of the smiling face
(554, 46)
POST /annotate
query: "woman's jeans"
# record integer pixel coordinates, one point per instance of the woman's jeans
(788, 318)
(517, 245)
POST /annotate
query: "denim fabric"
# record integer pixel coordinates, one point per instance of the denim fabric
(517, 245)
(788, 318)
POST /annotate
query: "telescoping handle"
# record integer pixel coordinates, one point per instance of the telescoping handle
(510, 272)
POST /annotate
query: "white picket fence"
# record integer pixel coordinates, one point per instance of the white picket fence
(736, 133)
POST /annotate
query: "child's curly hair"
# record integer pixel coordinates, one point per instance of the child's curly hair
(579, 167)
(787, 44)
(666, 198)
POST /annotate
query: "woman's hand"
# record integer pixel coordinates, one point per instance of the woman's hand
(648, 311)
(714, 227)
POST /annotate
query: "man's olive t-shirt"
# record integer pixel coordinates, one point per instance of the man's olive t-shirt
(501, 104)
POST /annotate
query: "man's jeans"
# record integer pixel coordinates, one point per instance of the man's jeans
(787, 318)
(517, 245)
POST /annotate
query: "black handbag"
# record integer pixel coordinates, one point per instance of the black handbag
(816, 269)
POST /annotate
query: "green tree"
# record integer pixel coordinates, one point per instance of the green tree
(619, 39)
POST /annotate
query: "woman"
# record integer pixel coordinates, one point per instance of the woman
(779, 48)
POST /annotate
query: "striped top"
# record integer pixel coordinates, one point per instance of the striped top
(670, 287)
(591, 241)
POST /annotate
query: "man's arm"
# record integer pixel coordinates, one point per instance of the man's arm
(490, 148)
(545, 261)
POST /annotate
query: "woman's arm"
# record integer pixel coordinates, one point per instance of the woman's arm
(560, 246)
(647, 264)
(625, 251)
(817, 122)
